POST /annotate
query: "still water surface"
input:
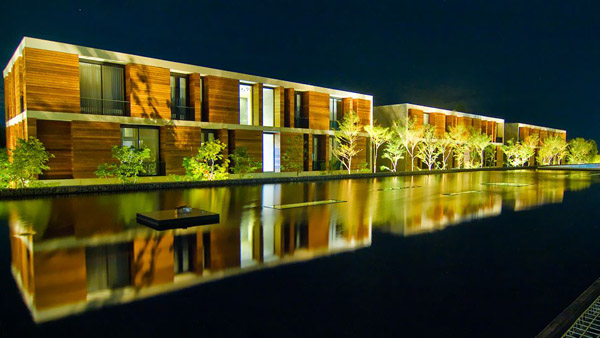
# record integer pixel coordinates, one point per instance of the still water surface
(482, 254)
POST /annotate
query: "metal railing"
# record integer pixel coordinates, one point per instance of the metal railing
(104, 107)
(180, 110)
(334, 125)
(588, 324)
(301, 122)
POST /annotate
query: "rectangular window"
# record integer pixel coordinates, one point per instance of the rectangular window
(107, 266)
(335, 109)
(268, 153)
(300, 121)
(268, 106)
(142, 137)
(102, 89)
(425, 119)
(180, 106)
(245, 104)
(208, 135)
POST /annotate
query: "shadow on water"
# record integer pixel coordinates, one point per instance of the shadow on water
(463, 254)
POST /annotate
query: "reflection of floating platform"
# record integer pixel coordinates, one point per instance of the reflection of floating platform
(399, 188)
(171, 219)
(303, 204)
(462, 193)
(507, 184)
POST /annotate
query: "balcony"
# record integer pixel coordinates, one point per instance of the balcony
(104, 107)
(334, 125)
(181, 111)
(301, 122)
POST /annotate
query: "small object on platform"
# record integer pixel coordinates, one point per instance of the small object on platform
(167, 219)
(184, 209)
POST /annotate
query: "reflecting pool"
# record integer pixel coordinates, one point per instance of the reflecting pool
(422, 255)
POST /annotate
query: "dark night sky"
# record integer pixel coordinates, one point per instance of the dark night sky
(525, 61)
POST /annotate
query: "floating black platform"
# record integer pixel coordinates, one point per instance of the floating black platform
(173, 219)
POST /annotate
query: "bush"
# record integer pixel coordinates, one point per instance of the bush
(243, 162)
(28, 161)
(204, 165)
(132, 163)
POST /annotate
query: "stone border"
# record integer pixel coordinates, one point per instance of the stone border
(106, 188)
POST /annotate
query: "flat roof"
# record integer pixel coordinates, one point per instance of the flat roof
(519, 125)
(123, 58)
(444, 111)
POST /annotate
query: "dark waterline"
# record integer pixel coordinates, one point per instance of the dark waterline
(515, 256)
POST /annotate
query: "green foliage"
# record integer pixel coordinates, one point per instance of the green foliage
(294, 155)
(581, 151)
(204, 165)
(131, 163)
(243, 162)
(4, 170)
(394, 151)
(460, 137)
(409, 135)
(347, 138)
(334, 164)
(28, 161)
(552, 150)
(517, 154)
(478, 141)
(445, 146)
(378, 135)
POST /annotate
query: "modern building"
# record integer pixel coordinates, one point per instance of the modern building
(81, 101)
(442, 119)
(519, 132)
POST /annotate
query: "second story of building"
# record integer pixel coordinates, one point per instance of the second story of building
(45, 77)
(442, 119)
(520, 131)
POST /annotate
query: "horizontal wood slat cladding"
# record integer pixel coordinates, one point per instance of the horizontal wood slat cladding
(279, 109)
(347, 105)
(92, 143)
(223, 137)
(51, 81)
(316, 108)
(56, 137)
(148, 89)
(59, 277)
(257, 104)
(439, 121)
(221, 100)
(14, 90)
(289, 141)
(153, 260)
(289, 108)
(224, 248)
(363, 110)
(252, 140)
(177, 142)
(361, 157)
(477, 125)
(417, 115)
(195, 90)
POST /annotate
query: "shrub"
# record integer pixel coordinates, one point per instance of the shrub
(208, 164)
(131, 163)
(243, 162)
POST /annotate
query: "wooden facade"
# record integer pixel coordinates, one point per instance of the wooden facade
(48, 81)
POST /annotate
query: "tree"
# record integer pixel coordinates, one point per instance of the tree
(529, 144)
(347, 138)
(294, 155)
(428, 150)
(460, 137)
(4, 170)
(409, 135)
(243, 162)
(512, 151)
(394, 151)
(581, 151)
(205, 164)
(29, 160)
(379, 135)
(478, 141)
(131, 163)
(445, 146)
(552, 150)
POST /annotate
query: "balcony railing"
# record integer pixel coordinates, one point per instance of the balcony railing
(334, 125)
(301, 122)
(181, 111)
(104, 107)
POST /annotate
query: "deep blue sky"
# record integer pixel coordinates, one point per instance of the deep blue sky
(525, 61)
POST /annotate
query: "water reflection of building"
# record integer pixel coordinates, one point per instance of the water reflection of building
(75, 265)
